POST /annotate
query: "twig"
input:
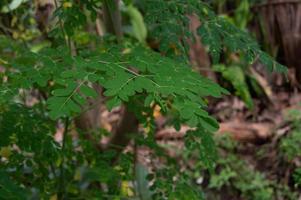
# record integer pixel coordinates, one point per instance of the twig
(61, 184)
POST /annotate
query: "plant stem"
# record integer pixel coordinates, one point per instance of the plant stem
(66, 37)
(61, 184)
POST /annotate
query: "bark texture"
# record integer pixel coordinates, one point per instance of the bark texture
(282, 29)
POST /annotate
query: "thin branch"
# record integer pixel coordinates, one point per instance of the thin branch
(61, 184)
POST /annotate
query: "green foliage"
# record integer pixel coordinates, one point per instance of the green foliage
(28, 147)
(297, 177)
(130, 74)
(237, 174)
(8, 189)
(239, 178)
(124, 76)
(28, 129)
(290, 146)
(170, 21)
(235, 75)
(139, 29)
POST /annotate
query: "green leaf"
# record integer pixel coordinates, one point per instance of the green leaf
(139, 28)
(148, 100)
(87, 91)
(209, 123)
(235, 75)
(112, 103)
(9, 190)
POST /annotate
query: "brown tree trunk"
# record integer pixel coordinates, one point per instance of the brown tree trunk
(282, 25)
(112, 18)
(199, 57)
(43, 13)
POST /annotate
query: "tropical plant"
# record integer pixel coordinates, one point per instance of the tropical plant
(63, 76)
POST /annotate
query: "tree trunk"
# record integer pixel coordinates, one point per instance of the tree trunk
(282, 25)
(89, 120)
